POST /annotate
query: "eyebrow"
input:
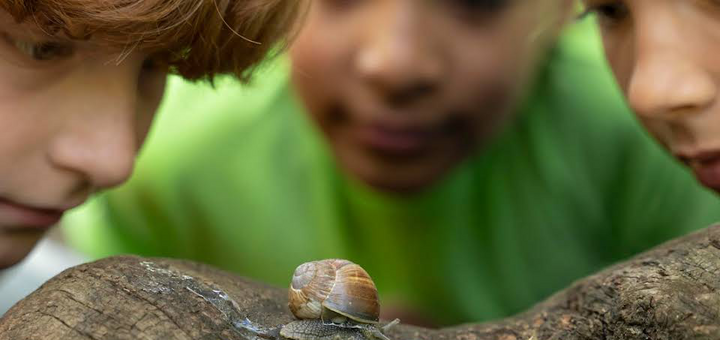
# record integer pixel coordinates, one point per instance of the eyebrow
(29, 30)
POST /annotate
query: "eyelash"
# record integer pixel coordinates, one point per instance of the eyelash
(39, 51)
(45, 51)
(484, 5)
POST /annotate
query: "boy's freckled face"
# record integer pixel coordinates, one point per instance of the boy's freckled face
(664, 54)
(72, 118)
(404, 90)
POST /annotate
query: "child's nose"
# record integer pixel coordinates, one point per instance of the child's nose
(100, 142)
(667, 82)
(102, 150)
(399, 59)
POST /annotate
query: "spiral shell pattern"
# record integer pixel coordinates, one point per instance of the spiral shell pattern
(339, 286)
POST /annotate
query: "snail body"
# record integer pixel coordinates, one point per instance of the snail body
(320, 330)
(334, 300)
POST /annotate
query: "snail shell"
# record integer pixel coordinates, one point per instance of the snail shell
(333, 289)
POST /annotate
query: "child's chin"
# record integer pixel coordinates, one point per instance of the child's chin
(397, 175)
(709, 176)
(399, 183)
(715, 189)
(16, 245)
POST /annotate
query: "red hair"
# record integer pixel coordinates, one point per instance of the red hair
(195, 38)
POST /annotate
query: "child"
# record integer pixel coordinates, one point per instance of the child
(80, 81)
(662, 53)
(467, 159)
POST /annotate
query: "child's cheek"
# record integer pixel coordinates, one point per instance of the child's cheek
(151, 95)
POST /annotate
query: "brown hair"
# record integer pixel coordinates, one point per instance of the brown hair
(195, 38)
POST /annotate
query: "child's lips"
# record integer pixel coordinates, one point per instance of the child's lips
(706, 166)
(25, 216)
(396, 140)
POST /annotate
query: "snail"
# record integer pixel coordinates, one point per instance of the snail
(334, 299)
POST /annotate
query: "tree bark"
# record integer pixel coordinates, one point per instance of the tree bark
(671, 292)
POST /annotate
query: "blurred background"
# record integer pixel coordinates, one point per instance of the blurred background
(469, 157)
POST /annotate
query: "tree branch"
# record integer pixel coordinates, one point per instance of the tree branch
(671, 292)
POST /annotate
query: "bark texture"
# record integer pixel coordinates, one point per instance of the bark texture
(671, 292)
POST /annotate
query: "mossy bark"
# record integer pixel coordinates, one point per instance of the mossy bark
(671, 292)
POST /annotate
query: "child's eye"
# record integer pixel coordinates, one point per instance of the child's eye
(40, 51)
(45, 51)
(483, 5)
(608, 13)
(478, 11)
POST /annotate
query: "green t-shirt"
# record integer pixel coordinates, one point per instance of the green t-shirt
(239, 178)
